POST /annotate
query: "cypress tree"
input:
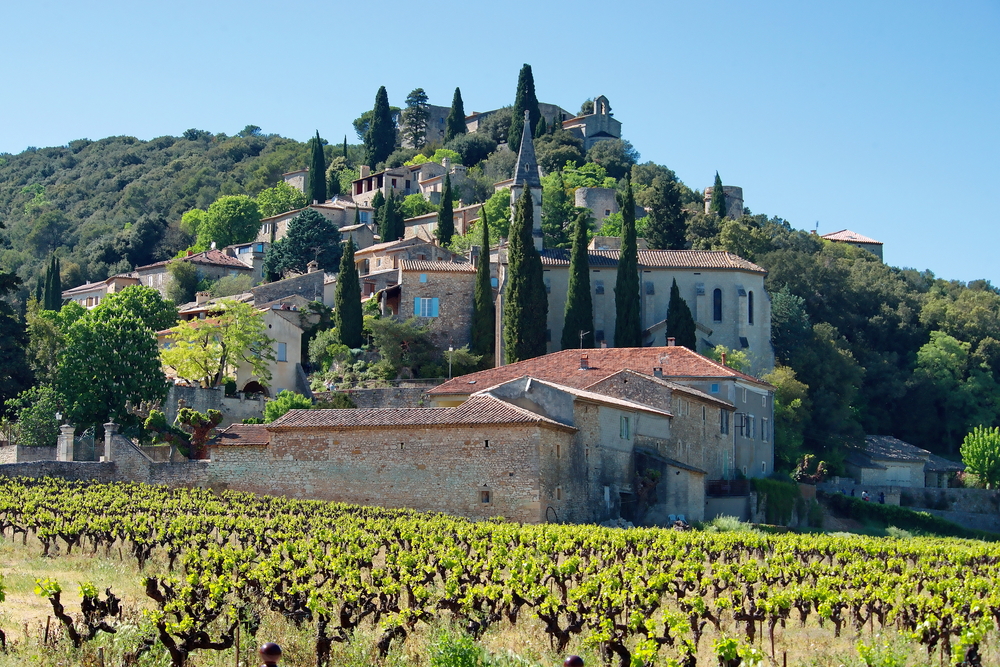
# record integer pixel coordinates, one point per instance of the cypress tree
(446, 214)
(579, 303)
(357, 215)
(483, 309)
(39, 291)
(455, 124)
(380, 139)
(345, 149)
(378, 213)
(47, 290)
(666, 229)
(398, 221)
(524, 100)
(718, 205)
(347, 299)
(526, 306)
(388, 227)
(542, 128)
(52, 293)
(628, 327)
(317, 173)
(57, 286)
(680, 323)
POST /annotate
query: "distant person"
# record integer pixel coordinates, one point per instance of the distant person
(881, 497)
(270, 653)
(852, 493)
(864, 496)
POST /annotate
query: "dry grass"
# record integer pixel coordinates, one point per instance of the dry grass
(23, 617)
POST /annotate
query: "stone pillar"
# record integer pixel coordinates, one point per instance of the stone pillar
(110, 429)
(64, 449)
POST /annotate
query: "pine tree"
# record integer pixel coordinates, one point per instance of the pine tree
(579, 303)
(347, 299)
(415, 117)
(718, 205)
(483, 309)
(317, 173)
(526, 307)
(666, 227)
(378, 213)
(628, 327)
(455, 125)
(680, 323)
(446, 214)
(524, 100)
(380, 139)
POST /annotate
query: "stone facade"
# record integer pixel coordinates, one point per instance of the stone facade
(307, 285)
(90, 295)
(597, 126)
(444, 291)
(296, 179)
(734, 200)
(386, 256)
(425, 226)
(602, 203)
(22, 454)
(426, 179)
(211, 265)
(234, 409)
(341, 211)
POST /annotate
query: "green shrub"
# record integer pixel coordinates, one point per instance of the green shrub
(286, 400)
(338, 400)
(456, 649)
(779, 498)
(886, 515)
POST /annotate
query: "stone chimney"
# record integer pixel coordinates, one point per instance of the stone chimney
(671, 342)
(658, 372)
(584, 362)
(202, 297)
(446, 163)
(365, 171)
(312, 267)
(723, 358)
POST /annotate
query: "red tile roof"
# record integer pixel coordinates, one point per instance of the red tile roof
(242, 435)
(564, 368)
(667, 259)
(848, 236)
(210, 257)
(477, 411)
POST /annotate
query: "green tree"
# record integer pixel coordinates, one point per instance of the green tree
(277, 200)
(525, 306)
(981, 455)
(742, 237)
(231, 285)
(680, 323)
(191, 221)
(333, 170)
(15, 375)
(378, 212)
(446, 214)
(628, 327)
(791, 415)
(207, 351)
(666, 226)
(36, 407)
(285, 401)
(579, 302)
(483, 308)
(380, 139)
(142, 302)
(415, 205)
(455, 124)
(108, 362)
(524, 100)
(317, 172)
(348, 318)
(53, 286)
(391, 225)
(472, 148)
(558, 149)
(415, 117)
(311, 236)
(718, 204)
(47, 337)
(230, 219)
(183, 281)
(556, 211)
(616, 155)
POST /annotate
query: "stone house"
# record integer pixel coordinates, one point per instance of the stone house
(439, 293)
(297, 179)
(550, 112)
(211, 265)
(856, 240)
(362, 235)
(251, 254)
(723, 419)
(385, 256)
(426, 179)
(425, 226)
(602, 203)
(888, 461)
(341, 211)
(90, 295)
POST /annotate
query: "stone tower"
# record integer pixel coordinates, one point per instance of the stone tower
(527, 175)
(734, 200)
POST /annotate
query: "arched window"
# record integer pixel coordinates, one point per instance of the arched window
(717, 305)
(750, 307)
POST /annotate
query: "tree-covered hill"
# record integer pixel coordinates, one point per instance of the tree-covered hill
(116, 203)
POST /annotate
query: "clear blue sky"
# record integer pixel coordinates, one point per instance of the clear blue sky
(881, 117)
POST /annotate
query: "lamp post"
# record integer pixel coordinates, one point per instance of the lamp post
(582, 334)
(451, 348)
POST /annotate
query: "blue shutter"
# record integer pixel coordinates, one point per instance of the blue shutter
(416, 307)
(434, 307)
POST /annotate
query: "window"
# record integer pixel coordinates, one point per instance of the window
(717, 305)
(599, 335)
(763, 429)
(244, 249)
(624, 428)
(715, 388)
(558, 493)
(763, 401)
(598, 287)
(548, 285)
(425, 307)
(494, 282)
(558, 451)
(763, 467)
(750, 308)
(484, 496)
(650, 289)
(364, 217)
(704, 415)
(724, 422)
(607, 212)
(282, 351)
(423, 277)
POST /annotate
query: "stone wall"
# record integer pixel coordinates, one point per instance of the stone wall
(71, 470)
(975, 501)
(308, 286)
(22, 454)
(234, 409)
(389, 397)
(454, 290)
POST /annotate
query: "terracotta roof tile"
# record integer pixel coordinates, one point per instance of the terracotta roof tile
(210, 257)
(477, 411)
(564, 368)
(849, 236)
(424, 265)
(594, 397)
(242, 435)
(667, 259)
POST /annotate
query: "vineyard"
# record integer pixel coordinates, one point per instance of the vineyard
(214, 564)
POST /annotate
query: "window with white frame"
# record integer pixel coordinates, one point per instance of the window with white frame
(624, 431)
(282, 351)
(425, 307)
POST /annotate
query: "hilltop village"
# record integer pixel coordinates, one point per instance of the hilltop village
(529, 324)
